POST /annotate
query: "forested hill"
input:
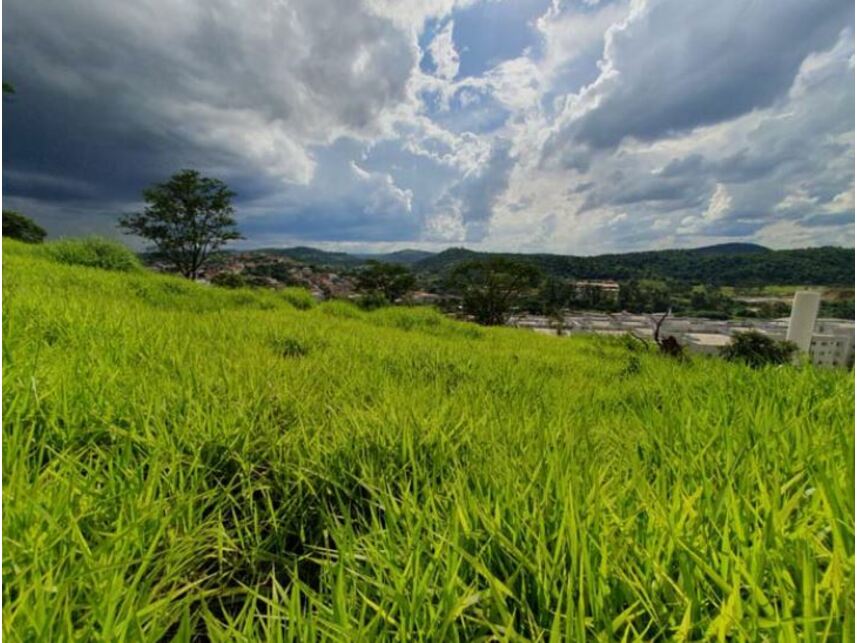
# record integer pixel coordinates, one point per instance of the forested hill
(730, 264)
(733, 264)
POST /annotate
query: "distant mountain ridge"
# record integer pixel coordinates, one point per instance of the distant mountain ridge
(731, 265)
(407, 257)
(735, 264)
(732, 249)
(315, 256)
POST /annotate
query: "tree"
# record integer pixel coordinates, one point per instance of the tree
(668, 345)
(553, 298)
(17, 226)
(491, 287)
(757, 349)
(187, 218)
(390, 280)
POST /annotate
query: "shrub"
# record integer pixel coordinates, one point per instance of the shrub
(757, 349)
(17, 226)
(372, 301)
(229, 280)
(94, 252)
(299, 298)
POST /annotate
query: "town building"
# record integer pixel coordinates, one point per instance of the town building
(832, 343)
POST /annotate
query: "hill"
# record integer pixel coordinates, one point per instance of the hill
(728, 264)
(733, 265)
(326, 258)
(182, 462)
(314, 256)
(406, 257)
(731, 249)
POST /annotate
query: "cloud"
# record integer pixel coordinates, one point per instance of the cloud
(478, 192)
(526, 124)
(665, 186)
(443, 53)
(236, 90)
(384, 195)
(673, 66)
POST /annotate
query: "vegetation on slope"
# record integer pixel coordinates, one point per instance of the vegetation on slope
(757, 267)
(730, 264)
(184, 461)
(20, 227)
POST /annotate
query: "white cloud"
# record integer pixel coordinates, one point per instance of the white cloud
(385, 197)
(719, 205)
(447, 224)
(443, 53)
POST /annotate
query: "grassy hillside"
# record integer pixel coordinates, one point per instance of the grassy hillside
(182, 461)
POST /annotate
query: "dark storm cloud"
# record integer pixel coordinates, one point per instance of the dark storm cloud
(828, 219)
(339, 220)
(115, 96)
(667, 190)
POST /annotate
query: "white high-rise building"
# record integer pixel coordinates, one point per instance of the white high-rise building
(802, 320)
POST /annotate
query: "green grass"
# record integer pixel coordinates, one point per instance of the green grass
(185, 461)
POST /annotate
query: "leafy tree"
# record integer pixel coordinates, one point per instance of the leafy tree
(390, 280)
(17, 226)
(187, 218)
(644, 295)
(8, 89)
(555, 296)
(757, 349)
(701, 298)
(491, 287)
(841, 309)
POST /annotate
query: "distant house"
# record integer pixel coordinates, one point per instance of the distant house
(423, 297)
(832, 343)
(832, 339)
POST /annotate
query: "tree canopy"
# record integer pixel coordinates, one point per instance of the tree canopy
(757, 349)
(490, 288)
(186, 218)
(390, 280)
(17, 226)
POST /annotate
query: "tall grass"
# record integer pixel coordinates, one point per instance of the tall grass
(185, 462)
(94, 252)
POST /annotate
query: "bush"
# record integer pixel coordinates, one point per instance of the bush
(229, 280)
(757, 349)
(17, 226)
(372, 301)
(299, 298)
(95, 253)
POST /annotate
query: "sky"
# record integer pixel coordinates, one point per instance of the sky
(370, 125)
